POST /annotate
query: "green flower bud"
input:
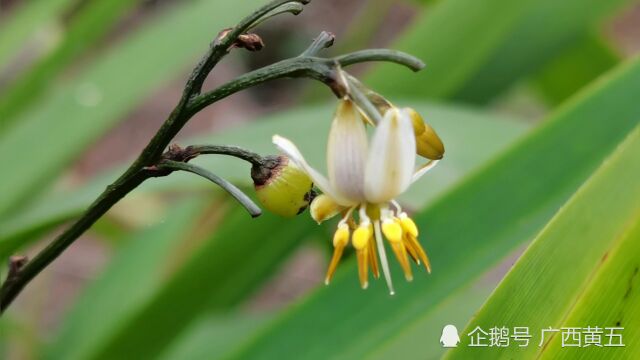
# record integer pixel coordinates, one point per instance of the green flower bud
(281, 186)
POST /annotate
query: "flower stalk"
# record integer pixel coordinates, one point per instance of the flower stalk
(152, 161)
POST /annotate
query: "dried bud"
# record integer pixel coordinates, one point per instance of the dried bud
(251, 42)
(282, 187)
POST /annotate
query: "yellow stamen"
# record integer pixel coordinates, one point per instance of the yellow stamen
(409, 226)
(373, 258)
(422, 255)
(363, 255)
(340, 240)
(401, 255)
(410, 249)
(361, 236)
(410, 231)
(361, 239)
(392, 231)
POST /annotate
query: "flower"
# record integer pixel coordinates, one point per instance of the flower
(363, 179)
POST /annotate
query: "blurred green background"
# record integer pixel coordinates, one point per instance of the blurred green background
(537, 102)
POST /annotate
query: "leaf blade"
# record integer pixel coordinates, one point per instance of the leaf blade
(602, 218)
(501, 206)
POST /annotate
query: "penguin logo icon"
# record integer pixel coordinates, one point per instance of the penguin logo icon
(449, 338)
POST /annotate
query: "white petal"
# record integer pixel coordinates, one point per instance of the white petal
(347, 152)
(392, 157)
(287, 147)
(423, 170)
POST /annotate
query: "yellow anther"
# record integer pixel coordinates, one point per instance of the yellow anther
(323, 208)
(340, 240)
(416, 121)
(361, 237)
(392, 231)
(411, 250)
(341, 236)
(363, 260)
(335, 259)
(412, 242)
(401, 255)
(408, 226)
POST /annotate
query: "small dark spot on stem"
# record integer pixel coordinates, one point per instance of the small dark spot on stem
(16, 263)
(250, 41)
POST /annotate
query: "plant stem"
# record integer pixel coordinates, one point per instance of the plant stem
(323, 41)
(242, 198)
(386, 55)
(321, 69)
(240, 153)
(136, 173)
(191, 102)
(12, 286)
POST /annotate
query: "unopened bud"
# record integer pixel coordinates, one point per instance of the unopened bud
(428, 143)
(323, 208)
(282, 187)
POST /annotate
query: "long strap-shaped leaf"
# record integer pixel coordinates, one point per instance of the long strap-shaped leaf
(472, 58)
(467, 231)
(581, 271)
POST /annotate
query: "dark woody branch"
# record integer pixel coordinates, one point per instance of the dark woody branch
(154, 161)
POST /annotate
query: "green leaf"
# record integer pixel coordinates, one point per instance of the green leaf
(215, 274)
(472, 137)
(581, 270)
(466, 232)
(473, 59)
(76, 113)
(88, 26)
(456, 308)
(48, 212)
(134, 274)
(24, 24)
(583, 61)
(213, 336)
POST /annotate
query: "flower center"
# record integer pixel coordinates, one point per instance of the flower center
(374, 223)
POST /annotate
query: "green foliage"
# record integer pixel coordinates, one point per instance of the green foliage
(599, 289)
(81, 110)
(86, 28)
(23, 26)
(581, 62)
(474, 59)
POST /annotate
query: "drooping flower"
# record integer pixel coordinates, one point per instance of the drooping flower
(364, 178)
